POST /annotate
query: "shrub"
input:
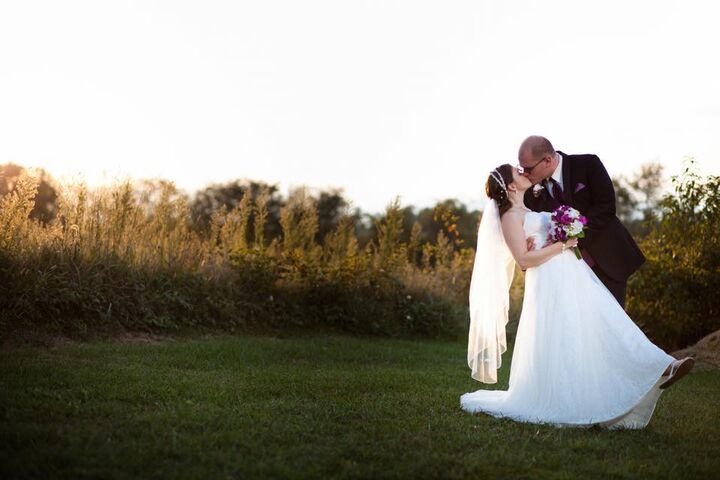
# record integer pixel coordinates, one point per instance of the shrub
(673, 297)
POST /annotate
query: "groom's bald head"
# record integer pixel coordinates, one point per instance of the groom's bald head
(536, 146)
(537, 157)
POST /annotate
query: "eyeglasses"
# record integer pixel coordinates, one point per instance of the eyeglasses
(523, 170)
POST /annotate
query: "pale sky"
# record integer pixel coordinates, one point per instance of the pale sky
(381, 98)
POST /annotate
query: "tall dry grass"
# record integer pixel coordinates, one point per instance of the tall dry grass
(125, 256)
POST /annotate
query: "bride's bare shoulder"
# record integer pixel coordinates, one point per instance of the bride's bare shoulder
(515, 214)
(512, 218)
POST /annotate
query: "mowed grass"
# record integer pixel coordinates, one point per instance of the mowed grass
(311, 407)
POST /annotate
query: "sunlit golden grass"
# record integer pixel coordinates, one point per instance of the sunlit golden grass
(129, 256)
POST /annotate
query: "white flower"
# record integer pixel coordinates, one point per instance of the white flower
(573, 213)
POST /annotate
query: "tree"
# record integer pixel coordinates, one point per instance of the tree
(674, 295)
(331, 206)
(229, 195)
(637, 198)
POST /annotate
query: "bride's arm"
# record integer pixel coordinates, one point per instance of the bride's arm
(515, 238)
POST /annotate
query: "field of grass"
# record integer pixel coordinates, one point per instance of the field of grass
(310, 407)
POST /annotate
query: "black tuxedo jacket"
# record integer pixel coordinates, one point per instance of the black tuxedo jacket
(587, 187)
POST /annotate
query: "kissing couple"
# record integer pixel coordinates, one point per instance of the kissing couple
(578, 360)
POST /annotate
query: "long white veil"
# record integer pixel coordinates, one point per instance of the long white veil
(489, 297)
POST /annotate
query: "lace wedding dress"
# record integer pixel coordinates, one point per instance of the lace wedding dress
(579, 360)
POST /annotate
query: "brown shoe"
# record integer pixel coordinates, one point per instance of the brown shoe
(678, 369)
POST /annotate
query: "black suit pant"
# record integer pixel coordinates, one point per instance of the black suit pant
(618, 289)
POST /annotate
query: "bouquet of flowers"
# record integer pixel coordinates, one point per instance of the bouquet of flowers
(565, 223)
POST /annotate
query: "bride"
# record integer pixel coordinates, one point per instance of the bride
(579, 360)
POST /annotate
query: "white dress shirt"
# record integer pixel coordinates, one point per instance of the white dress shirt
(557, 174)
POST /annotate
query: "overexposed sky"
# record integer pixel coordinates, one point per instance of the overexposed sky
(382, 98)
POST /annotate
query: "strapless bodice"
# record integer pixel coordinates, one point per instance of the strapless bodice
(536, 224)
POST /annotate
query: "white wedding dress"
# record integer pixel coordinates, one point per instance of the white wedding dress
(579, 360)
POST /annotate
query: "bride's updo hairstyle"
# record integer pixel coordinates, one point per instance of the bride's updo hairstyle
(496, 190)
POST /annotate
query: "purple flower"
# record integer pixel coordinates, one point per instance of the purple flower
(565, 223)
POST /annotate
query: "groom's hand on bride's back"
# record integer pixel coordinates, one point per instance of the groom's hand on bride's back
(531, 244)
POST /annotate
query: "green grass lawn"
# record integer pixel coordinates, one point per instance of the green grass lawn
(310, 406)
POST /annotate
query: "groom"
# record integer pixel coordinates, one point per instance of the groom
(582, 182)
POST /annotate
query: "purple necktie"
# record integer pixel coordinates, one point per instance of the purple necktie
(557, 192)
(556, 199)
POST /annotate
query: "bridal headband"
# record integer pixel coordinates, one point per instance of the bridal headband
(496, 175)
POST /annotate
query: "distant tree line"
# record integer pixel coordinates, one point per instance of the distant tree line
(637, 196)
(154, 255)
